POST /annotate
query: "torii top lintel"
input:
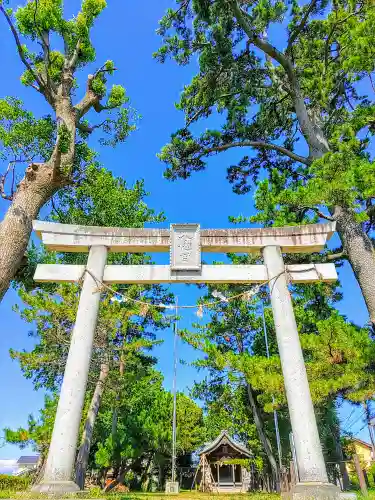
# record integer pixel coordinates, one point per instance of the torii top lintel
(75, 238)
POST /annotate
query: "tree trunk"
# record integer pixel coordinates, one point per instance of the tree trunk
(115, 410)
(262, 436)
(360, 251)
(40, 183)
(160, 477)
(121, 476)
(145, 481)
(40, 469)
(37, 187)
(84, 449)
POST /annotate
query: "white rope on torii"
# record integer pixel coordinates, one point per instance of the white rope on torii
(185, 243)
(246, 295)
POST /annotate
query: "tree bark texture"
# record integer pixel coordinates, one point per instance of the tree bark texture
(84, 449)
(40, 183)
(360, 251)
(146, 476)
(339, 454)
(262, 435)
(42, 180)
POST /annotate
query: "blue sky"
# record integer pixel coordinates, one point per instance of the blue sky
(126, 34)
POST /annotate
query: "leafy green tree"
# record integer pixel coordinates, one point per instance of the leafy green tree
(122, 334)
(38, 432)
(226, 405)
(229, 334)
(144, 429)
(53, 148)
(338, 357)
(291, 84)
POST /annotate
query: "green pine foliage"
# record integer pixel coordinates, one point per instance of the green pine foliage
(287, 85)
(244, 84)
(338, 356)
(134, 420)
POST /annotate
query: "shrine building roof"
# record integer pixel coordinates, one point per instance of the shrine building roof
(225, 438)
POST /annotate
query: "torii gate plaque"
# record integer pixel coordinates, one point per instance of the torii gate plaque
(185, 243)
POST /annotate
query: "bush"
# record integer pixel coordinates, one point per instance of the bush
(15, 483)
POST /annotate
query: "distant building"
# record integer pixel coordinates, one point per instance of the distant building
(15, 467)
(222, 466)
(26, 463)
(364, 452)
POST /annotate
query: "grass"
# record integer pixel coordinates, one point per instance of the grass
(185, 495)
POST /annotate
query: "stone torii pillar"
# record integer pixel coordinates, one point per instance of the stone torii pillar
(63, 448)
(185, 243)
(311, 466)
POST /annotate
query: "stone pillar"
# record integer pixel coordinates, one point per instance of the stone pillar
(311, 465)
(62, 451)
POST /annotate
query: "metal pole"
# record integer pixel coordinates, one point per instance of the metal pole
(275, 418)
(370, 423)
(174, 395)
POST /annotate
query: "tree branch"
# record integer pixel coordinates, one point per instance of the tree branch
(319, 213)
(295, 34)
(57, 211)
(337, 256)
(36, 88)
(312, 133)
(44, 36)
(21, 53)
(90, 99)
(259, 145)
(196, 115)
(3, 178)
(87, 100)
(262, 44)
(103, 69)
(74, 59)
(371, 81)
(88, 129)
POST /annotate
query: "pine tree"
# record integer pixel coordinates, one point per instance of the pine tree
(291, 85)
(338, 357)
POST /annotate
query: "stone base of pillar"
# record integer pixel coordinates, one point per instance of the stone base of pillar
(56, 487)
(313, 491)
(172, 487)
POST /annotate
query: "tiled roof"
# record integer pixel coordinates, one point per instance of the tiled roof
(216, 443)
(363, 443)
(26, 460)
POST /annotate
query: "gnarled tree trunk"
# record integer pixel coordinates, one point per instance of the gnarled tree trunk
(122, 473)
(42, 180)
(40, 183)
(360, 251)
(34, 191)
(84, 449)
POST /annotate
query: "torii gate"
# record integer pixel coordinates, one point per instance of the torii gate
(185, 242)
